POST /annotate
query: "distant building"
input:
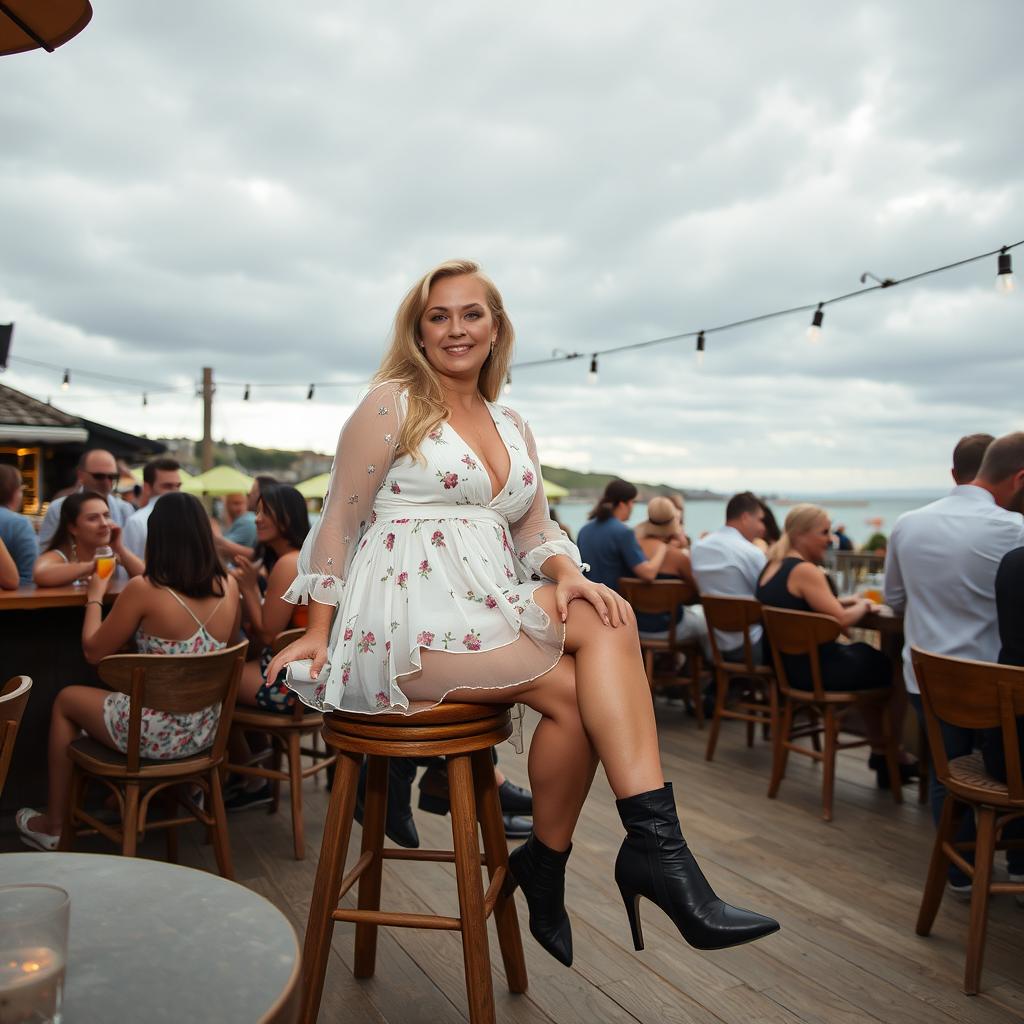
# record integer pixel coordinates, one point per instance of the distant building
(46, 443)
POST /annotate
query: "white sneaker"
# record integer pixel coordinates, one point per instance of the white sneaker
(30, 837)
(960, 892)
(1019, 879)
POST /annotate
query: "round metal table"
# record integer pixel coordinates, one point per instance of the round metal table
(155, 942)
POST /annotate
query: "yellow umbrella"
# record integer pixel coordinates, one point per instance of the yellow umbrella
(219, 481)
(553, 491)
(315, 486)
(27, 24)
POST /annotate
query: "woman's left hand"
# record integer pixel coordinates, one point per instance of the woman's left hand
(97, 586)
(613, 609)
(116, 533)
(246, 573)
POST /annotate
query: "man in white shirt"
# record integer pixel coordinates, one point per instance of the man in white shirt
(159, 476)
(726, 562)
(940, 572)
(97, 471)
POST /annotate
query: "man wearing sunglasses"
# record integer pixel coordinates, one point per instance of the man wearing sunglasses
(97, 471)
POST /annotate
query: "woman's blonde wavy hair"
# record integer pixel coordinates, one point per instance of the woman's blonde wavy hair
(405, 364)
(800, 520)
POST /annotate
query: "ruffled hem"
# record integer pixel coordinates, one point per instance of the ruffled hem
(536, 557)
(319, 587)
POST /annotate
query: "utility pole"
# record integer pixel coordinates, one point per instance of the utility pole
(207, 418)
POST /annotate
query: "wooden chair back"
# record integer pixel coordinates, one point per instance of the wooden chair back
(798, 633)
(281, 641)
(732, 615)
(972, 695)
(13, 698)
(178, 684)
(658, 597)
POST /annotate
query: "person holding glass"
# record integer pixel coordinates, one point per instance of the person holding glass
(85, 542)
(436, 574)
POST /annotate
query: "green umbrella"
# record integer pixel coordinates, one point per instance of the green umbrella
(219, 481)
(315, 486)
(553, 492)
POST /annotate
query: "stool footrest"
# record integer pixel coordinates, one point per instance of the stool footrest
(433, 856)
(450, 924)
(365, 860)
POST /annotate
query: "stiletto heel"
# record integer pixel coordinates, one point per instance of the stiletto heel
(632, 903)
(654, 861)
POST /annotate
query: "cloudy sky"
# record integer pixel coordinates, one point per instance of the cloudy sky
(252, 187)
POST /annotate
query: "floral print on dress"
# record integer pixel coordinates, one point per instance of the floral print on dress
(437, 539)
(425, 638)
(437, 436)
(449, 480)
(471, 641)
(469, 461)
(367, 642)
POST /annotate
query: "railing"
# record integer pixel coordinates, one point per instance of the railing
(848, 568)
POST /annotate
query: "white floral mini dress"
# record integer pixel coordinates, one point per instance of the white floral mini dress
(432, 575)
(166, 736)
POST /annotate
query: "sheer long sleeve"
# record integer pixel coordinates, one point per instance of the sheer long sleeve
(537, 537)
(366, 451)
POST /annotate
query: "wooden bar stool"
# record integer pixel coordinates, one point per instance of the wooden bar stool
(464, 733)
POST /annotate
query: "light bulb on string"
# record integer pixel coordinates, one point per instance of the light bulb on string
(245, 394)
(814, 331)
(66, 382)
(145, 399)
(507, 386)
(592, 375)
(1004, 276)
(700, 350)
(309, 395)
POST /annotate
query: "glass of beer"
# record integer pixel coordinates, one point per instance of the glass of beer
(105, 562)
(33, 951)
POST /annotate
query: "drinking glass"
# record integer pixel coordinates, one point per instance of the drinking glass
(105, 562)
(33, 951)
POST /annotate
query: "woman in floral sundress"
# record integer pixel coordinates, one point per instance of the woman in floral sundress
(435, 573)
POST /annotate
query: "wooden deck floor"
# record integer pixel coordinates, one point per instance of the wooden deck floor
(846, 893)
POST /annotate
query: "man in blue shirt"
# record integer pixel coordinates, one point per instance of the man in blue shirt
(15, 530)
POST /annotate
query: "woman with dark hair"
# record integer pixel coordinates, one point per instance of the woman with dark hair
(184, 603)
(610, 546)
(772, 533)
(84, 527)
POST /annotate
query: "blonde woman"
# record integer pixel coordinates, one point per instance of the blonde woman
(424, 558)
(793, 578)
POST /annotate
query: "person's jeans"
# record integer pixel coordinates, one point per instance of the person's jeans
(958, 743)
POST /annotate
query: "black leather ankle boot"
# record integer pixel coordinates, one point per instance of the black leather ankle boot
(540, 872)
(654, 861)
(399, 825)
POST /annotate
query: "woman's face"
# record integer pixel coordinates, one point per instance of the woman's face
(92, 527)
(815, 542)
(457, 328)
(266, 528)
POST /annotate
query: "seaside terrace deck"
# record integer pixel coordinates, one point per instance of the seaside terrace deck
(847, 895)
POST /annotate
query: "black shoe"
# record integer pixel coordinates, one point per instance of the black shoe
(434, 790)
(654, 861)
(243, 799)
(517, 826)
(540, 873)
(399, 826)
(908, 772)
(514, 799)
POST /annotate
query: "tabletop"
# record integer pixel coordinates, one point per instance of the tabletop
(158, 943)
(31, 597)
(885, 620)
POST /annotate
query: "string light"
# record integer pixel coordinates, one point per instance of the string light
(245, 396)
(700, 350)
(1004, 276)
(66, 382)
(507, 386)
(145, 399)
(814, 331)
(309, 395)
(592, 376)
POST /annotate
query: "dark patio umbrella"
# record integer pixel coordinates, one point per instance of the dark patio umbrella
(28, 24)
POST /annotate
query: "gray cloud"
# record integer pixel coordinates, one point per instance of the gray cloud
(254, 189)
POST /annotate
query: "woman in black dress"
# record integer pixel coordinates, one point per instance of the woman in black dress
(793, 579)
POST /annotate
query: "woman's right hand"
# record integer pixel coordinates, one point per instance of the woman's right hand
(312, 646)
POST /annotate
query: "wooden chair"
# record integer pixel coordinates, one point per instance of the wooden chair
(971, 695)
(464, 733)
(801, 633)
(13, 698)
(659, 597)
(286, 731)
(175, 683)
(758, 701)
